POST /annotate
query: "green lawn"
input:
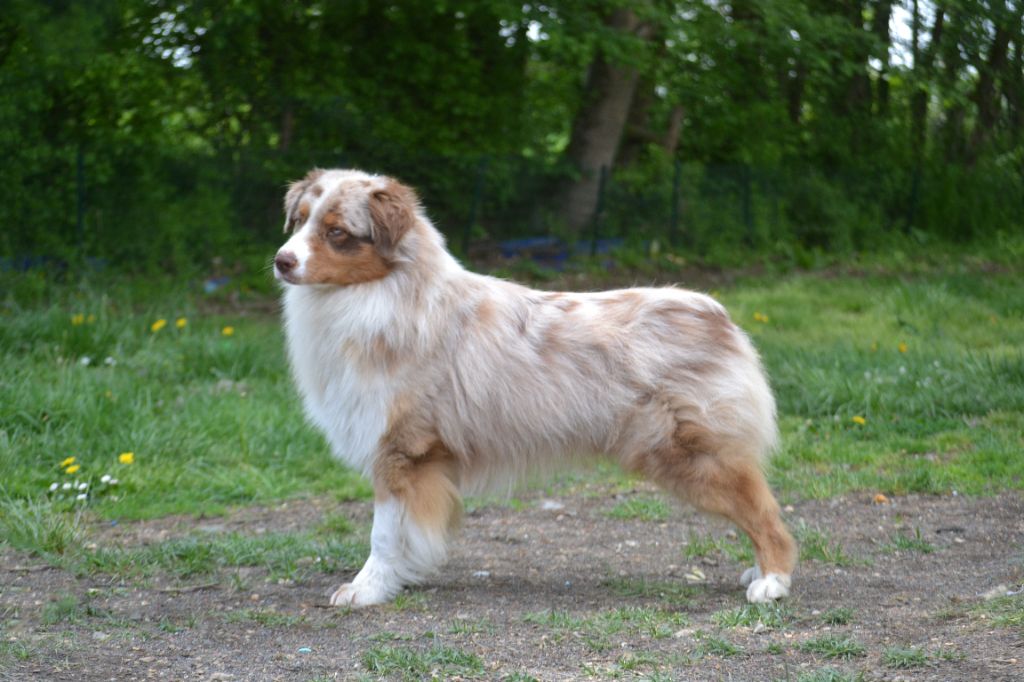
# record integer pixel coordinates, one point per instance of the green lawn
(884, 385)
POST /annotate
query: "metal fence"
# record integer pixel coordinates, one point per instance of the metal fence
(180, 209)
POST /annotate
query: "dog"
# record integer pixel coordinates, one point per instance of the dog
(433, 381)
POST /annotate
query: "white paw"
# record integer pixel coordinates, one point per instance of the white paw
(750, 575)
(359, 596)
(769, 588)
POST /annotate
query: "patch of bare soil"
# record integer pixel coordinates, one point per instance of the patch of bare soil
(535, 592)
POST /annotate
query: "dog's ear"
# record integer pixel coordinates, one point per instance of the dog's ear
(392, 214)
(294, 194)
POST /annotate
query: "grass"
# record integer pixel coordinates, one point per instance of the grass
(829, 675)
(641, 508)
(710, 645)
(738, 548)
(1004, 611)
(772, 616)
(904, 657)
(417, 664)
(914, 543)
(595, 630)
(831, 646)
(671, 593)
(214, 422)
(817, 545)
(35, 526)
(838, 616)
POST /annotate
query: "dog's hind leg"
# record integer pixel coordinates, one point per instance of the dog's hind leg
(416, 505)
(732, 486)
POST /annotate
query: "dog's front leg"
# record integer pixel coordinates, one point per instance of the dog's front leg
(417, 503)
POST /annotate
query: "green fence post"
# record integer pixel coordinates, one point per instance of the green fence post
(80, 191)
(474, 206)
(598, 210)
(673, 228)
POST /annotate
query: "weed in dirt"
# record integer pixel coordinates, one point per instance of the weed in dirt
(66, 609)
(698, 547)
(265, 617)
(1004, 611)
(738, 549)
(828, 675)
(915, 543)
(334, 526)
(641, 508)
(832, 646)
(636, 660)
(14, 651)
(286, 556)
(519, 677)
(818, 545)
(675, 594)
(415, 664)
(410, 601)
(710, 645)
(944, 654)
(838, 616)
(772, 616)
(38, 527)
(465, 626)
(904, 657)
(389, 636)
(653, 623)
(775, 649)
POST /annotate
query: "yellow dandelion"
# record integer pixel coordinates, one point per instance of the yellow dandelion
(227, 331)
(126, 458)
(902, 347)
(77, 319)
(760, 317)
(90, 319)
(68, 462)
(180, 323)
(158, 325)
(860, 420)
(72, 469)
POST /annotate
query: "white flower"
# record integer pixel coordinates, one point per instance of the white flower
(83, 486)
(54, 486)
(85, 361)
(105, 478)
(66, 486)
(109, 361)
(81, 497)
(113, 481)
(903, 370)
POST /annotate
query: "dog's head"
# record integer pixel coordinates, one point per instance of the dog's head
(347, 227)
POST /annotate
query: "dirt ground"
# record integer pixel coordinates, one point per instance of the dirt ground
(555, 555)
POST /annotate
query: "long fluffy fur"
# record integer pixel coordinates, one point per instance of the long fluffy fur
(434, 381)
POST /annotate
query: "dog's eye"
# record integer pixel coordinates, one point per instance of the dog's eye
(335, 233)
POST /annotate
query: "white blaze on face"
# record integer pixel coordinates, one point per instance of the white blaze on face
(300, 243)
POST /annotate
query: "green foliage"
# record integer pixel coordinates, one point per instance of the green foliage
(156, 135)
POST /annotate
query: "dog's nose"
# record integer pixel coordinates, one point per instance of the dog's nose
(285, 261)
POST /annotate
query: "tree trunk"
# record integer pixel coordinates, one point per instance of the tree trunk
(985, 93)
(880, 27)
(598, 129)
(923, 66)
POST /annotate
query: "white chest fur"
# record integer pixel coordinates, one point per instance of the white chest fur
(348, 404)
